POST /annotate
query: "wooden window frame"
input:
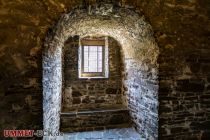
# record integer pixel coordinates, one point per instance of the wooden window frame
(105, 67)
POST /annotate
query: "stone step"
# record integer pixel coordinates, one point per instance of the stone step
(95, 120)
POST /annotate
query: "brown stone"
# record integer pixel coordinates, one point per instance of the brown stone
(96, 88)
(76, 94)
(111, 91)
(76, 100)
(100, 101)
(86, 100)
(187, 86)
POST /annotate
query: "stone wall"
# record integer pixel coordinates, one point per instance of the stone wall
(182, 32)
(140, 56)
(80, 94)
(103, 99)
(142, 102)
(94, 120)
(181, 29)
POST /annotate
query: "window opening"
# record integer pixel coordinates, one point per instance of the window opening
(93, 58)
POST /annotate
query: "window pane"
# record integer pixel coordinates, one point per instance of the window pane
(100, 64)
(93, 48)
(86, 48)
(93, 59)
(99, 56)
(100, 48)
(86, 69)
(100, 61)
(85, 56)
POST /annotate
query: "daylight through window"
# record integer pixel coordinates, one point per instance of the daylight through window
(93, 57)
(92, 60)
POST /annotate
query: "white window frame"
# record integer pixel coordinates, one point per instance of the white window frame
(105, 63)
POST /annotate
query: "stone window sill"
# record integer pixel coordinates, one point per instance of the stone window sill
(91, 112)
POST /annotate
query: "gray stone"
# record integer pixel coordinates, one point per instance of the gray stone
(139, 49)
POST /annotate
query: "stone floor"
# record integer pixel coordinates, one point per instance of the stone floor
(111, 134)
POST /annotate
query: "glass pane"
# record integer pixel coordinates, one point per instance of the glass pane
(93, 59)
(86, 69)
(93, 66)
(100, 70)
(85, 56)
(99, 55)
(86, 48)
(93, 48)
(100, 64)
(100, 48)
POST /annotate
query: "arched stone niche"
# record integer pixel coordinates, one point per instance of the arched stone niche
(140, 57)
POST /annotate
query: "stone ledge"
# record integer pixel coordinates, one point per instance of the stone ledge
(89, 112)
(98, 119)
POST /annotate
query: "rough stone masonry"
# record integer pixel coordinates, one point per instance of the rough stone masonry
(181, 30)
(140, 58)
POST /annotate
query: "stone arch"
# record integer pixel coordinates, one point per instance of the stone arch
(140, 55)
